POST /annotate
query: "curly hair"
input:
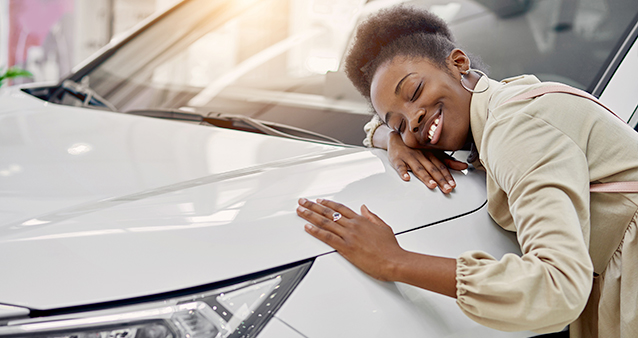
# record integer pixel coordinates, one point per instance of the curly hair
(400, 30)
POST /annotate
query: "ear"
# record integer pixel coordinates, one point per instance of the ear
(458, 61)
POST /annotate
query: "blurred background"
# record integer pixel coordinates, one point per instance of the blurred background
(49, 37)
(278, 60)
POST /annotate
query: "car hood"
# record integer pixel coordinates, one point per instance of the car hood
(100, 206)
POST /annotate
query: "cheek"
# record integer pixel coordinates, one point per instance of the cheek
(457, 130)
(410, 141)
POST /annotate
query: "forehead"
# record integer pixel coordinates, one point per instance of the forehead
(395, 68)
(390, 70)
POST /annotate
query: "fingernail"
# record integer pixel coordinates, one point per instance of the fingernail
(302, 200)
(432, 182)
(301, 209)
(452, 183)
(447, 187)
(307, 226)
(319, 200)
(406, 176)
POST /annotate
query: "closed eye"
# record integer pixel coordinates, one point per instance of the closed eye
(401, 126)
(416, 92)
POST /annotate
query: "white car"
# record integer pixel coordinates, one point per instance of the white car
(117, 224)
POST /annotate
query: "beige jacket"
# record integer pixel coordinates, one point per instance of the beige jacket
(540, 156)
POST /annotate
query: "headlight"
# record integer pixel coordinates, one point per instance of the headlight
(239, 310)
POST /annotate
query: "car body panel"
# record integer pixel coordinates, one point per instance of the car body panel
(54, 157)
(370, 308)
(276, 328)
(7, 311)
(143, 237)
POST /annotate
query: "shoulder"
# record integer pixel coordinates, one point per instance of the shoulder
(521, 136)
(552, 107)
(511, 87)
(571, 115)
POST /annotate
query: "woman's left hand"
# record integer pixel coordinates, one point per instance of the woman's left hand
(364, 240)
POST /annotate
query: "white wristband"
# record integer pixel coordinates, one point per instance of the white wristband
(370, 128)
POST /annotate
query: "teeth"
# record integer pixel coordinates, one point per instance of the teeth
(433, 128)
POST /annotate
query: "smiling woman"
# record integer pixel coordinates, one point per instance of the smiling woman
(414, 98)
(370, 65)
(540, 155)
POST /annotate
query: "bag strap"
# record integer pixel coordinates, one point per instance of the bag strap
(628, 186)
(552, 87)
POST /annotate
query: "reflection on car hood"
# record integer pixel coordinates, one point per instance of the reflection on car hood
(100, 206)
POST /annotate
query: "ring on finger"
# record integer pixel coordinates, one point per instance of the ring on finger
(336, 216)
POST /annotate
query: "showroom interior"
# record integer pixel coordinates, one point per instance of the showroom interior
(49, 37)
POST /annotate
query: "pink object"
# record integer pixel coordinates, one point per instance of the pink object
(29, 23)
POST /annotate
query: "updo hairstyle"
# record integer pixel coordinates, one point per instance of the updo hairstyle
(397, 31)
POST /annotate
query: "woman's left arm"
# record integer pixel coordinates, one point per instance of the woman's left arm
(538, 176)
(369, 243)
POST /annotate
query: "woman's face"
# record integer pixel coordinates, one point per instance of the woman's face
(424, 103)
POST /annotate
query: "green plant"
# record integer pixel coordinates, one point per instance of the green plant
(12, 73)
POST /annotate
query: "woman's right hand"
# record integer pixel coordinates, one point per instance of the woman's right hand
(424, 164)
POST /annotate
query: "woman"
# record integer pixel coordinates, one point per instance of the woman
(540, 156)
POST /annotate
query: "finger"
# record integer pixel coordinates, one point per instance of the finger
(320, 221)
(372, 217)
(440, 173)
(325, 236)
(338, 207)
(320, 209)
(421, 172)
(454, 164)
(317, 208)
(402, 170)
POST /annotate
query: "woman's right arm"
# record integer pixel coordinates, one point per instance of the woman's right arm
(425, 165)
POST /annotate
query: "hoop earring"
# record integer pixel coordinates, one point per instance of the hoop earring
(474, 91)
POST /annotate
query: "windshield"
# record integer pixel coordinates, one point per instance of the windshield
(278, 60)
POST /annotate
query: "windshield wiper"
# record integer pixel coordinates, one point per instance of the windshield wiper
(167, 114)
(82, 92)
(238, 122)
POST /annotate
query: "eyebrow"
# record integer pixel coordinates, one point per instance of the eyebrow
(398, 88)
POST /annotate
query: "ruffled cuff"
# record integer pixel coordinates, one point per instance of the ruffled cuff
(475, 293)
(469, 268)
(370, 128)
(507, 299)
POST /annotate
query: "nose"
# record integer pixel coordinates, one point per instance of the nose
(416, 120)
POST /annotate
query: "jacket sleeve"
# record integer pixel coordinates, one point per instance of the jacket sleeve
(545, 176)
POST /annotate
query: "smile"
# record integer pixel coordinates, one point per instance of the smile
(433, 128)
(434, 131)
